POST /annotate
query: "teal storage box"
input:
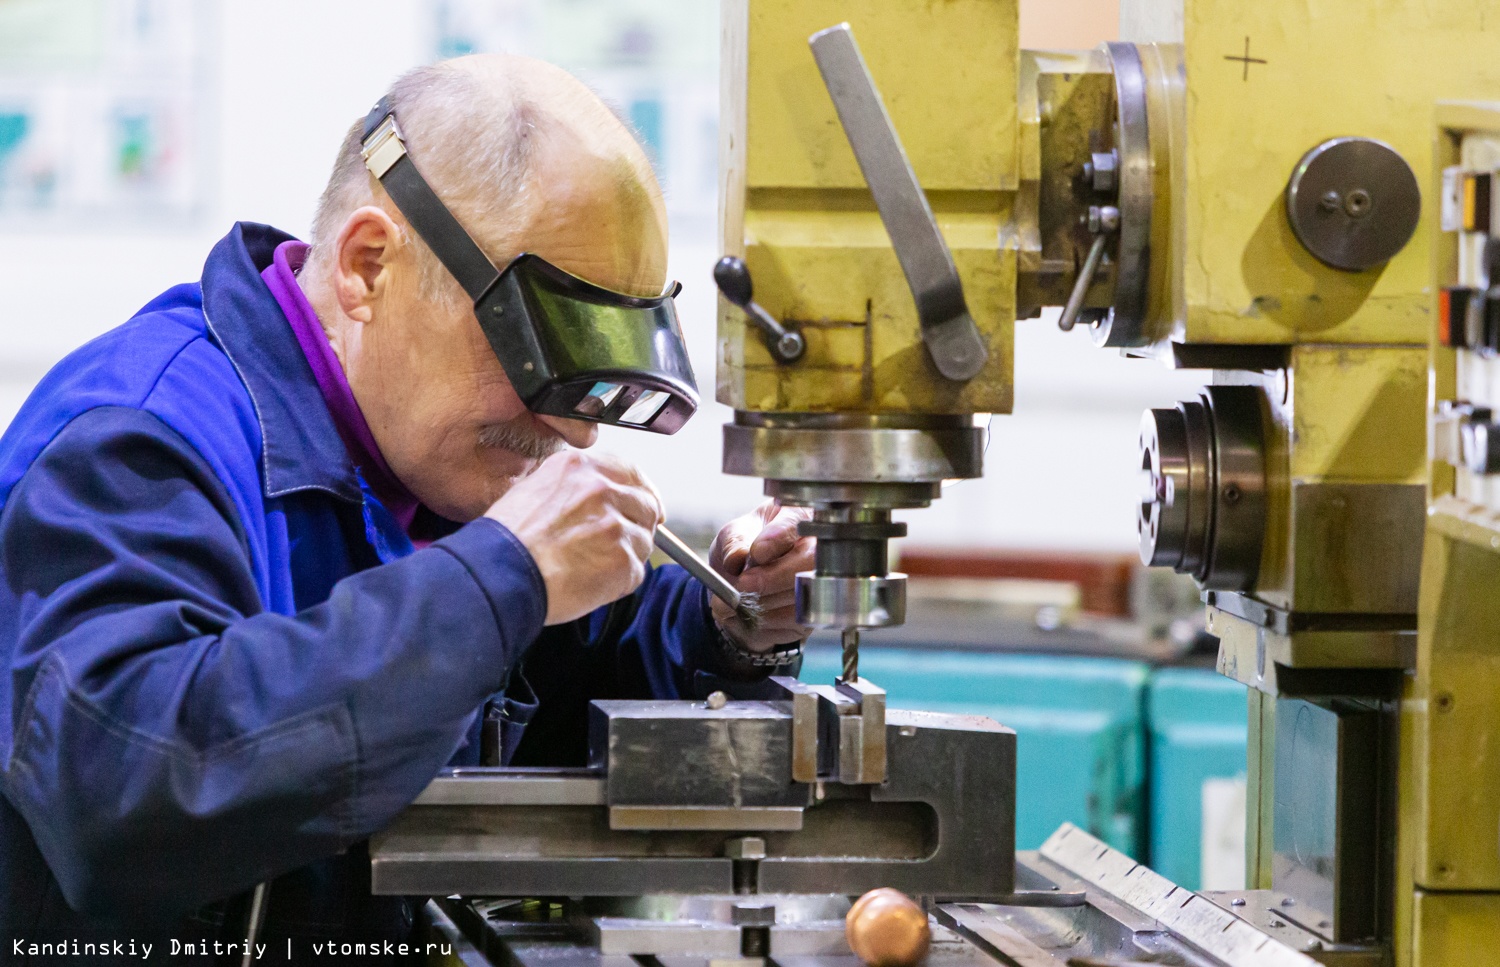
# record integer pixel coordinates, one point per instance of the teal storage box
(1080, 738)
(1198, 729)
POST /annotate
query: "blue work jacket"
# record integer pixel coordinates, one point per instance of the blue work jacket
(221, 660)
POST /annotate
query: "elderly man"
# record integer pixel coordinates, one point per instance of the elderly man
(290, 540)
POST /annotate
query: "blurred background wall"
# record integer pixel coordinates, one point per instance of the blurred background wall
(134, 132)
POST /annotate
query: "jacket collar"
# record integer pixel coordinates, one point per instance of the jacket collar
(300, 446)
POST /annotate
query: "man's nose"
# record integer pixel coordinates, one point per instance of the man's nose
(577, 433)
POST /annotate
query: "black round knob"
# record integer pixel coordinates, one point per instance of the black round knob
(732, 277)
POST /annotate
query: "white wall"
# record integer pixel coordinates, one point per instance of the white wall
(290, 78)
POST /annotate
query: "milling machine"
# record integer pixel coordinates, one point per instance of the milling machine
(1233, 187)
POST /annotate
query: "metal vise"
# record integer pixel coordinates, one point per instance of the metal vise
(685, 798)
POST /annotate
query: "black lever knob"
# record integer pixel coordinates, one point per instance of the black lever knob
(732, 276)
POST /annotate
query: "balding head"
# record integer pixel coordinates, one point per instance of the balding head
(528, 160)
(523, 154)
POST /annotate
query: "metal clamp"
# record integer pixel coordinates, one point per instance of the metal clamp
(384, 147)
(952, 338)
(838, 731)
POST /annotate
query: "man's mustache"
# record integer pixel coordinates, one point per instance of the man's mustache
(520, 438)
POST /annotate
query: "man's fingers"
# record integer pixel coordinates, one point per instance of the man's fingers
(639, 506)
(781, 573)
(773, 604)
(732, 548)
(622, 471)
(641, 541)
(778, 536)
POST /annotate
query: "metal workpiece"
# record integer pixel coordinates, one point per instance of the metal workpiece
(838, 731)
(684, 799)
(852, 741)
(1203, 509)
(952, 337)
(1353, 203)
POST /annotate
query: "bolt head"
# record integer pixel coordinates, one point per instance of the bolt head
(1331, 201)
(1238, 901)
(1101, 170)
(717, 700)
(791, 346)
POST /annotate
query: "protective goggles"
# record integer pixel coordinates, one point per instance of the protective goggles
(570, 348)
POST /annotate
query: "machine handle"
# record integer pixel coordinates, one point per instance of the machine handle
(952, 338)
(1081, 285)
(732, 277)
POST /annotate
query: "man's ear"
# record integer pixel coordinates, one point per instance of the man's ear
(363, 261)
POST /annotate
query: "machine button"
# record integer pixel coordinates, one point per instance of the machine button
(1480, 444)
(1454, 303)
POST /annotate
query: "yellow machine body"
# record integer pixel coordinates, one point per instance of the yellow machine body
(1450, 847)
(796, 207)
(1331, 367)
(1267, 82)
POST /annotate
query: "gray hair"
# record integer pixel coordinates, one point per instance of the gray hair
(472, 142)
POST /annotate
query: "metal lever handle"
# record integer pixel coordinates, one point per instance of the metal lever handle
(732, 277)
(952, 338)
(1081, 285)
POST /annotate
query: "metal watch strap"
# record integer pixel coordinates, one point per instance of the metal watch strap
(768, 659)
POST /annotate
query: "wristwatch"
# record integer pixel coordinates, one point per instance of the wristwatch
(776, 657)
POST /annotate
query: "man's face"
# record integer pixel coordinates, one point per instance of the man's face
(437, 399)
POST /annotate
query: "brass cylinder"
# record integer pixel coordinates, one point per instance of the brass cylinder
(886, 928)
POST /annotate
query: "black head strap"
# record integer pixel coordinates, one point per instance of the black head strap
(385, 155)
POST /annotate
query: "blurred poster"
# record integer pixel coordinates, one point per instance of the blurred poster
(103, 105)
(655, 61)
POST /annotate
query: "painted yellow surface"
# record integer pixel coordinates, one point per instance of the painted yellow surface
(797, 208)
(1450, 784)
(1357, 413)
(1458, 683)
(1319, 70)
(1456, 929)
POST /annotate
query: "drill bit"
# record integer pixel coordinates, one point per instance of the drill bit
(746, 605)
(851, 654)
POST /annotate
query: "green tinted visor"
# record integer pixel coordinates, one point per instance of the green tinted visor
(569, 347)
(576, 350)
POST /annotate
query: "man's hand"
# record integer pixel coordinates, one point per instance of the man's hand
(588, 523)
(761, 553)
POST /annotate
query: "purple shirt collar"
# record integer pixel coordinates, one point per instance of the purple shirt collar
(281, 278)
